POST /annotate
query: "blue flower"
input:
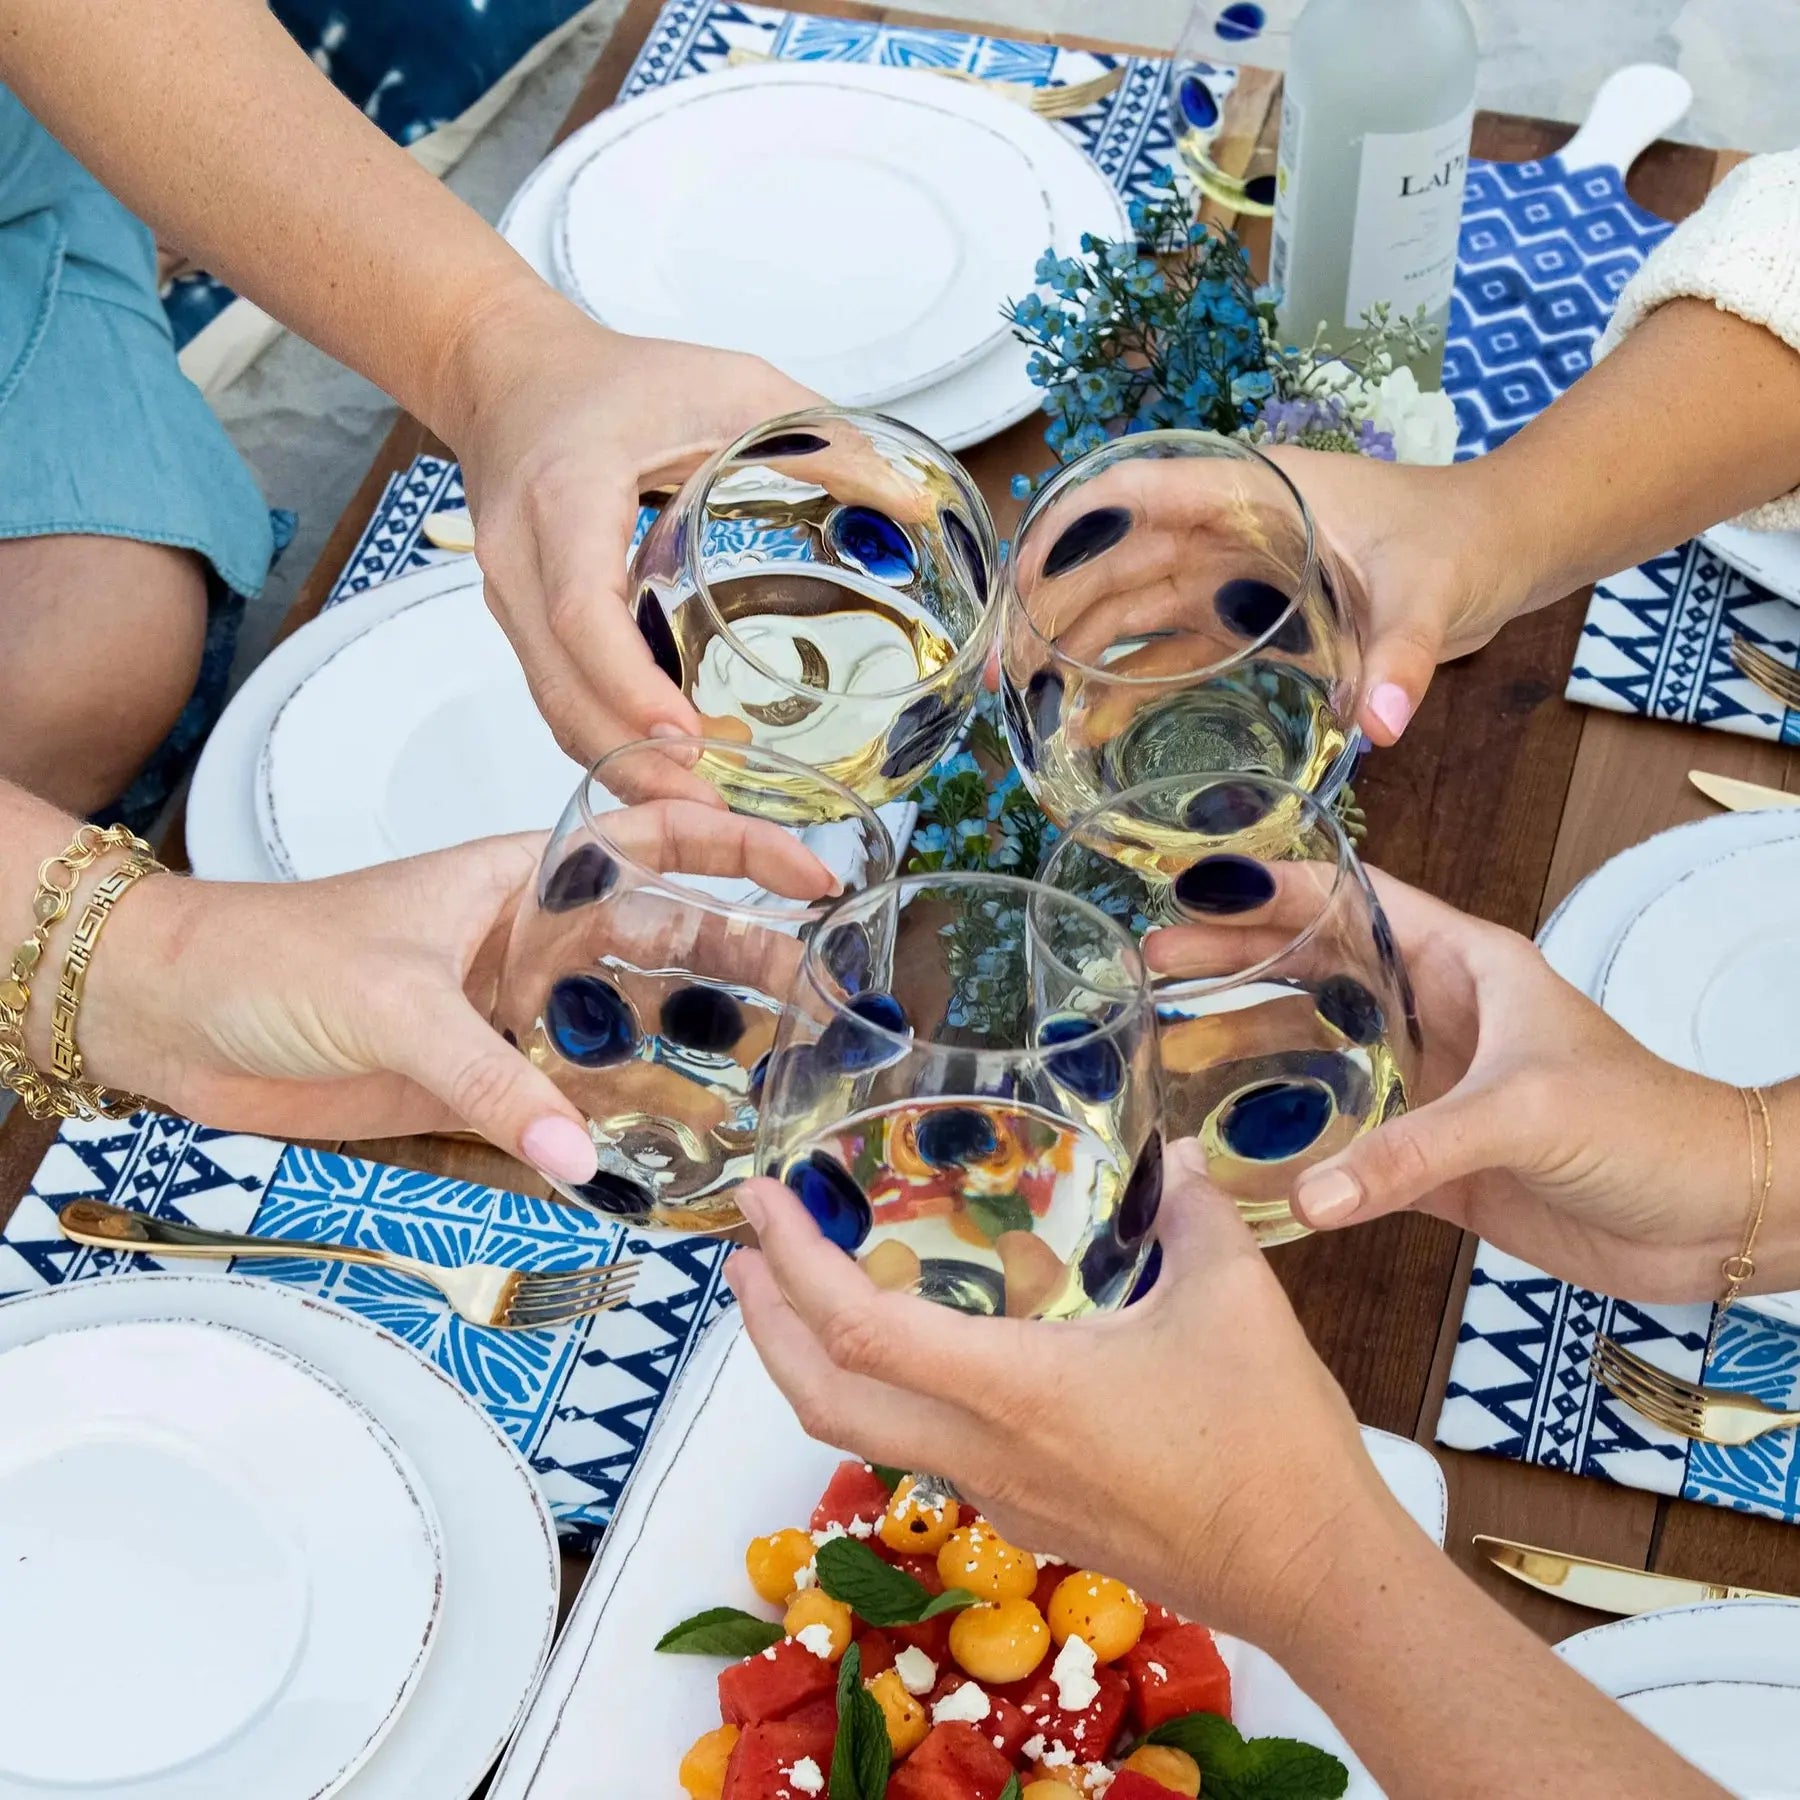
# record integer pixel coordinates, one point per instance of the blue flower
(1021, 487)
(1028, 312)
(1256, 384)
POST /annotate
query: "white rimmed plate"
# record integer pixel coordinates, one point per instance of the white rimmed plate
(416, 734)
(1719, 1682)
(658, 1565)
(229, 1532)
(983, 399)
(501, 1568)
(861, 238)
(1769, 558)
(224, 839)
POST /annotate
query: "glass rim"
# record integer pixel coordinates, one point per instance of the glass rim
(783, 906)
(982, 523)
(1064, 479)
(1322, 811)
(1140, 996)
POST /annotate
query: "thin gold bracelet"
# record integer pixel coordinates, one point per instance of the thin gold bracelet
(58, 879)
(1739, 1269)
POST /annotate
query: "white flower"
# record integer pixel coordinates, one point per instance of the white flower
(1423, 424)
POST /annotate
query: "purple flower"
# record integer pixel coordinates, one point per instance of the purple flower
(1378, 444)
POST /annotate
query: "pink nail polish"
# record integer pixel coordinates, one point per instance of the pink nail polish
(561, 1148)
(1390, 704)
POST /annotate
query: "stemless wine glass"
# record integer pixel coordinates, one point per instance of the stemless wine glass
(1285, 1016)
(1219, 110)
(1165, 614)
(964, 1095)
(647, 971)
(824, 588)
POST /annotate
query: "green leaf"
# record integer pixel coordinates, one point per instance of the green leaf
(877, 1592)
(720, 1631)
(1235, 1768)
(861, 1754)
(1012, 1790)
(889, 1478)
(995, 1213)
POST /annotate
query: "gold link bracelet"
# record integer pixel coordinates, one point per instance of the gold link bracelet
(58, 879)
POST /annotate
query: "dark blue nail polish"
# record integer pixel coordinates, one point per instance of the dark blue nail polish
(585, 875)
(1224, 884)
(1093, 534)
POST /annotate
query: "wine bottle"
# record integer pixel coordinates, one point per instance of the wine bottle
(1376, 115)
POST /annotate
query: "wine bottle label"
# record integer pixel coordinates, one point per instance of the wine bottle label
(1408, 217)
(1286, 164)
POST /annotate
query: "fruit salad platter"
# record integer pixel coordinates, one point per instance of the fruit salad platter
(817, 1623)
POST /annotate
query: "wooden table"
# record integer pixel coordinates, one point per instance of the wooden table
(1500, 799)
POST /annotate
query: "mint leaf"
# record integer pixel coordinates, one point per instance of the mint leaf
(1011, 1791)
(720, 1631)
(877, 1592)
(1235, 1768)
(861, 1754)
(889, 1478)
(997, 1213)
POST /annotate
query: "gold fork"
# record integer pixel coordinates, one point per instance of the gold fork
(1712, 1415)
(1770, 674)
(1046, 102)
(482, 1293)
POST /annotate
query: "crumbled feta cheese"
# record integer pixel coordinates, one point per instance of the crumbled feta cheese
(833, 1530)
(1073, 1673)
(1033, 1748)
(1097, 1779)
(968, 1702)
(1157, 1670)
(1043, 1561)
(769, 1654)
(861, 1528)
(806, 1776)
(917, 1672)
(1058, 1756)
(807, 1577)
(817, 1639)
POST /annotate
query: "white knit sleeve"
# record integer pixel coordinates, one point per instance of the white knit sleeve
(1741, 251)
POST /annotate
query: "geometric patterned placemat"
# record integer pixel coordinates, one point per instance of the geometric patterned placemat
(1521, 1387)
(578, 1402)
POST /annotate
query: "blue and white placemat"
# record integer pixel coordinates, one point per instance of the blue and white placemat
(1521, 1387)
(578, 1402)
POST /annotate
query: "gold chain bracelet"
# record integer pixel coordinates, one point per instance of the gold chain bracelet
(1739, 1268)
(58, 879)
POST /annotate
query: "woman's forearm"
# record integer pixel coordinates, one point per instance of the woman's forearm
(1446, 1697)
(1693, 419)
(211, 123)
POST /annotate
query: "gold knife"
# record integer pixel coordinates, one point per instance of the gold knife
(1740, 796)
(1606, 1587)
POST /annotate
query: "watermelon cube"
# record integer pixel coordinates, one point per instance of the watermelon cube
(1089, 1733)
(854, 1492)
(877, 1650)
(774, 1683)
(1005, 1726)
(1128, 1784)
(955, 1762)
(1048, 1578)
(1175, 1672)
(930, 1635)
(764, 1756)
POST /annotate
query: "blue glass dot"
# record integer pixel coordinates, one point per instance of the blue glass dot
(1092, 1069)
(845, 1045)
(967, 1286)
(872, 542)
(918, 735)
(1259, 190)
(956, 1136)
(584, 876)
(1239, 21)
(1224, 884)
(1344, 1003)
(758, 1074)
(589, 1022)
(1197, 104)
(618, 1196)
(1250, 607)
(830, 1194)
(786, 443)
(961, 534)
(1383, 934)
(1018, 730)
(848, 957)
(1043, 703)
(1147, 1276)
(1142, 1199)
(1093, 534)
(702, 1018)
(653, 622)
(1224, 808)
(1275, 1120)
(1103, 1266)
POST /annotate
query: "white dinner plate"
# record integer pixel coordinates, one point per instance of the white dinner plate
(415, 735)
(1719, 1682)
(677, 1545)
(202, 1513)
(224, 838)
(862, 239)
(1769, 558)
(992, 393)
(500, 1574)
